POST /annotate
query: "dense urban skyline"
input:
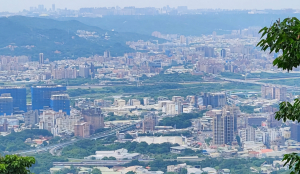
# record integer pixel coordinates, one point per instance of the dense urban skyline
(19, 5)
(149, 86)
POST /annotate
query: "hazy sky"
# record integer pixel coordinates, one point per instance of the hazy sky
(18, 5)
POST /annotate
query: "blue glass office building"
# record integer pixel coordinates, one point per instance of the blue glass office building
(60, 102)
(6, 104)
(18, 94)
(41, 95)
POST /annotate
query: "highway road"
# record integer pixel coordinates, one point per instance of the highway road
(256, 82)
(97, 163)
(52, 148)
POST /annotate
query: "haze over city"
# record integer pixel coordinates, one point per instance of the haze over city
(149, 86)
(19, 5)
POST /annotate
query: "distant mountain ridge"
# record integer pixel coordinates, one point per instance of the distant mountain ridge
(188, 25)
(59, 39)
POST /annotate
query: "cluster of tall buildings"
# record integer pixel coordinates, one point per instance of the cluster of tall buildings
(84, 71)
(274, 92)
(14, 99)
(53, 97)
(210, 66)
(87, 122)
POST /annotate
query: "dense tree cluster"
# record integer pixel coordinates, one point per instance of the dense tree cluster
(181, 121)
(88, 147)
(15, 140)
(283, 36)
(13, 164)
(175, 77)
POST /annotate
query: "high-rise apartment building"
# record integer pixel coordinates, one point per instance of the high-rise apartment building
(223, 126)
(280, 93)
(31, 117)
(41, 8)
(92, 70)
(84, 71)
(41, 95)
(214, 99)
(149, 122)
(41, 58)
(223, 53)
(182, 39)
(209, 52)
(247, 134)
(134, 102)
(19, 96)
(94, 117)
(106, 54)
(62, 73)
(82, 130)
(6, 104)
(53, 7)
(295, 132)
(48, 121)
(178, 107)
(60, 102)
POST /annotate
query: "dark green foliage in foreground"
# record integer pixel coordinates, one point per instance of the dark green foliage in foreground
(13, 164)
(285, 36)
(44, 162)
(15, 140)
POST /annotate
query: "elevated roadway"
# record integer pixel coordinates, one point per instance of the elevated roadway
(53, 148)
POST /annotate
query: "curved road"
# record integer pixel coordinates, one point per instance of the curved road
(52, 148)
